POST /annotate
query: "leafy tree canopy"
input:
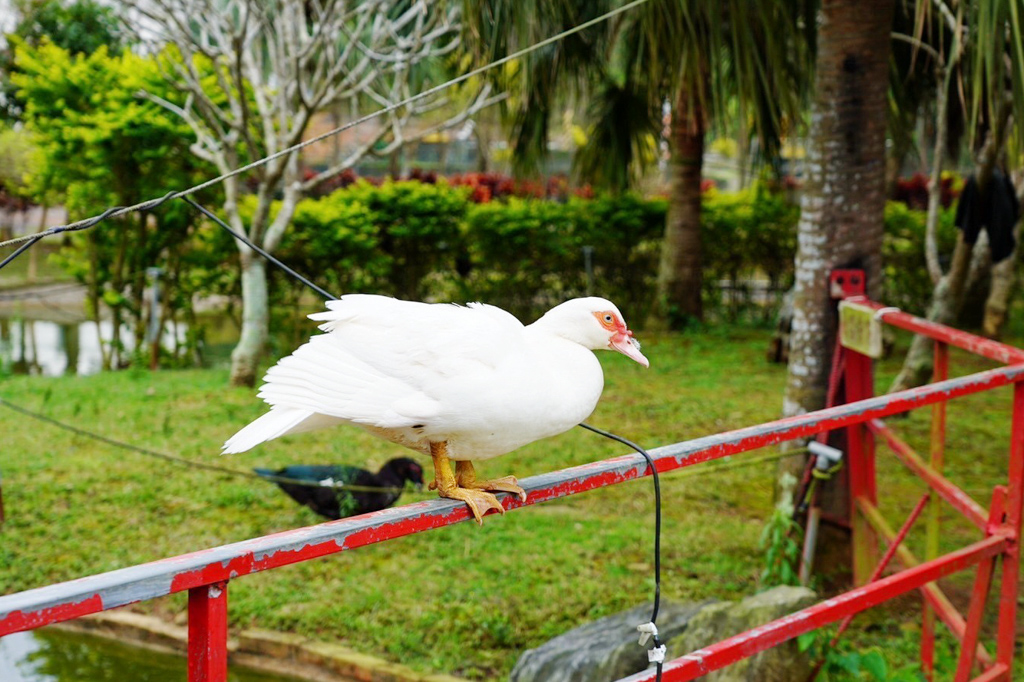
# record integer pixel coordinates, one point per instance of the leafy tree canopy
(80, 27)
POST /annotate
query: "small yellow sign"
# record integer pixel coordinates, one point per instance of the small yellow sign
(859, 329)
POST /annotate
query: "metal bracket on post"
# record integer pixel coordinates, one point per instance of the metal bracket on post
(827, 460)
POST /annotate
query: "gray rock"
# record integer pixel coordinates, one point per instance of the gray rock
(719, 621)
(604, 650)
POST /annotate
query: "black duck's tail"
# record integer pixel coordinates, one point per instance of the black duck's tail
(265, 473)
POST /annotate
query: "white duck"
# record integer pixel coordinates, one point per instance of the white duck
(460, 383)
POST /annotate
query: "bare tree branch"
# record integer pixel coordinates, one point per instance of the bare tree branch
(256, 72)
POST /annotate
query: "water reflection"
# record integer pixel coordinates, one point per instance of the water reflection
(58, 656)
(55, 348)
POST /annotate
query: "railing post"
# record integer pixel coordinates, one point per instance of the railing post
(208, 633)
(861, 458)
(940, 372)
(979, 594)
(1011, 558)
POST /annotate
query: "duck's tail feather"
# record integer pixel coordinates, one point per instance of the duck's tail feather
(265, 473)
(278, 422)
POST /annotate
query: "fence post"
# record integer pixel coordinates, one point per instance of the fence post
(208, 633)
(940, 372)
(861, 458)
(1011, 559)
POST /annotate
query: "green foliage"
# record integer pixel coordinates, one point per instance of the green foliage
(418, 230)
(780, 542)
(18, 160)
(80, 27)
(758, 54)
(843, 662)
(102, 145)
(745, 233)
(907, 284)
(529, 254)
(398, 238)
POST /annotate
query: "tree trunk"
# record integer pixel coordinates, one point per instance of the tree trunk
(931, 248)
(917, 366)
(1004, 283)
(69, 334)
(483, 148)
(680, 274)
(255, 301)
(33, 254)
(841, 211)
(255, 295)
(255, 320)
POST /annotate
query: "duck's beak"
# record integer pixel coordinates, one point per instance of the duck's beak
(628, 346)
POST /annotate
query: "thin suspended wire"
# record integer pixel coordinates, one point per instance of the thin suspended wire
(245, 240)
(183, 461)
(153, 203)
(24, 247)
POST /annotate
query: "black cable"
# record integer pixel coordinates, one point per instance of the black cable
(21, 249)
(242, 238)
(75, 227)
(657, 526)
(186, 462)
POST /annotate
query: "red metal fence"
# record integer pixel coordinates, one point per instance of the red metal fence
(206, 574)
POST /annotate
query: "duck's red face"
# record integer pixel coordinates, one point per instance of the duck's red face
(621, 338)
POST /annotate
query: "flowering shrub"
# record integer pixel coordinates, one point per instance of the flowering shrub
(913, 191)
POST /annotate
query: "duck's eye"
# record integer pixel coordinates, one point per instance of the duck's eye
(608, 318)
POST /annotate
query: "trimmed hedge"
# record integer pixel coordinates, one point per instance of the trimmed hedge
(432, 242)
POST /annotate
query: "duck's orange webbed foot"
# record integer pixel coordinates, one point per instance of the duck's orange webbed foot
(505, 484)
(478, 500)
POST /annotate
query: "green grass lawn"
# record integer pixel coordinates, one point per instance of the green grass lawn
(463, 600)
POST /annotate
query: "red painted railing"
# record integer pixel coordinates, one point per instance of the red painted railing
(206, 574)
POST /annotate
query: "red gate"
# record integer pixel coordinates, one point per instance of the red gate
(206, 574)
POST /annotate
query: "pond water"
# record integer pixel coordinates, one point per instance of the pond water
(54, 348)
(50, 655)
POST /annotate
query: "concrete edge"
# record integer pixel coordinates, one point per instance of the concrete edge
(264, 650)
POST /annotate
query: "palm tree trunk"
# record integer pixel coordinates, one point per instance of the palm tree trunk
(841, 210)
(680, 276)
(842, 206)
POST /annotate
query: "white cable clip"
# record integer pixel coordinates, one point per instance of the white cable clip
(887, 309)
(656, 654)
(827, 455)
(647, 630)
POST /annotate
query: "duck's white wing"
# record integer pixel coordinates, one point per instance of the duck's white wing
(382, 362)
(421, 342)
